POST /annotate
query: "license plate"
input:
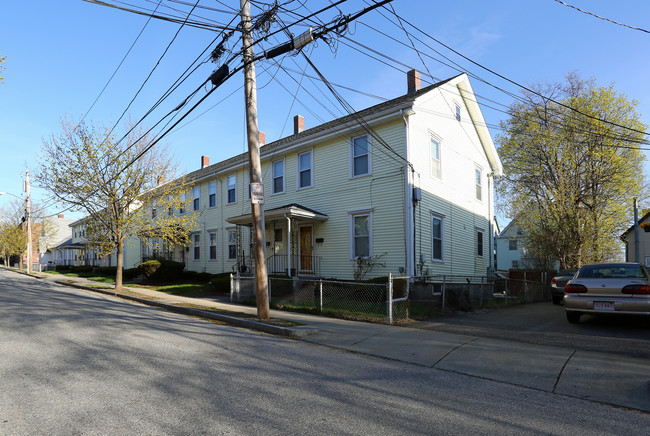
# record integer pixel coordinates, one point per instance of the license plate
(604, 305)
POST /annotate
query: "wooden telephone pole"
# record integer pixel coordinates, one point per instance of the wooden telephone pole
(257, 201)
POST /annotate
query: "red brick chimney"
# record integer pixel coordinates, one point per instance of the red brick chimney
(60, 216)
(205, 161)
(261, 137)
(298, 124)
(413, 81)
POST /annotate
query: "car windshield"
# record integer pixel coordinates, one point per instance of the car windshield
(611, 272)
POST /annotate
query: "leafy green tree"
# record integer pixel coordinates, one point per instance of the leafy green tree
(115, 184)
(572, 166)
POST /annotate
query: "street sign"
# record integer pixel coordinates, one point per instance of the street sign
(257, 193)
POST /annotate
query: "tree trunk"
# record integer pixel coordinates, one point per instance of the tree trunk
(120, 265)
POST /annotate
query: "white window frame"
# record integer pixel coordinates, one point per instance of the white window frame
(441, 218)
(212, 244)
(480, 242)
(436, 163)
(368, 154)
(196, 202)
(353, 236)
(275, 176)
(196, 243)
(229, 240)
(212, 194)
(300, 170)
(478, 183)
(458, 112)
(232, 177)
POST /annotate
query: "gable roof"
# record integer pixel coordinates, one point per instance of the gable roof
(645, 218)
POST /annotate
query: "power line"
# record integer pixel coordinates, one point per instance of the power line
(601, 18)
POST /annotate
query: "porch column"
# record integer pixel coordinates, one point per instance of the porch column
(288, 245)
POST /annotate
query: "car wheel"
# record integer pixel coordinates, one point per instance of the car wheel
(557, 299)
(573, 317)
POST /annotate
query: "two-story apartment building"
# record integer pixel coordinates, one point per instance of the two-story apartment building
(406, 183)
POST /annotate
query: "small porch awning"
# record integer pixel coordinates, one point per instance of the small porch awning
(292, 210)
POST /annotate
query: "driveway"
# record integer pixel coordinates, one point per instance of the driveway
(546, 324)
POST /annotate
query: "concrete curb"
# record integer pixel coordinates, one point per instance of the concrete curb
(292, 332)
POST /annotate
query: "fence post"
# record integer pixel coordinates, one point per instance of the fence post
(320, 296)
(389, 301)
(482, 291)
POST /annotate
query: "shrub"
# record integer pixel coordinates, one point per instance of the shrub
(109, 271)
(221, 282)
(149, 268)
(130, 273)
(81, 269)
(62, 268)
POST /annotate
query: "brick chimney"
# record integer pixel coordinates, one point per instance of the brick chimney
(205, 161)
(261, 137)
(298, 124)
(413, 81)
(60, 216)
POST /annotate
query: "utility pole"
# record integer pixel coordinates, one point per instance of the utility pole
(28, 217)
(636, 230)
(250, 90)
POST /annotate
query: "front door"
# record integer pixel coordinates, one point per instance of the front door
(306, 249)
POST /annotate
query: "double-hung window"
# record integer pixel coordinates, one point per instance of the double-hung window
(512, 244)
(304, 170)
(197, 246)
(212, 194)
(181, 208)
(360, 155)
(153, 209)
(278, 177)
(213, 246)
(458, 117)
(437, 238)
(436, 170)
(479, 187)
(479, 242)
(197, 198)
(231, 182)
(232, 244)
(361, 223)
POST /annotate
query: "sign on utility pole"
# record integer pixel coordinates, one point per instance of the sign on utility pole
(250, 90)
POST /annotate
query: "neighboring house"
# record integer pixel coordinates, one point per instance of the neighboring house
(511, 252)
(628, 239)
(56, 232)
(412, 191)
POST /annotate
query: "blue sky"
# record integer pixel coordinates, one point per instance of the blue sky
(61, 54)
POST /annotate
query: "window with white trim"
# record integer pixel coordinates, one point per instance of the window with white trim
(231, 183)
(457, 108)
(436, 170)
(361, 230)
(197, 246)
(213, 245)
(360, 156)
(478, 180)
(197, 198)
(212, 194)
(437, 238)
(232, 244)
(278, 177)
(479, 242)
(181, 208)
(304, 170)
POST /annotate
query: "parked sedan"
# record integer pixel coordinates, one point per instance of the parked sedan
(612, 288)
(559, 282)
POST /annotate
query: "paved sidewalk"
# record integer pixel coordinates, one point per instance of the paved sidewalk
(606, 378)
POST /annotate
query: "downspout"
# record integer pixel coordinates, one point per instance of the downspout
(223, 264)
(409, 237)
(490, 218)
(288, 245)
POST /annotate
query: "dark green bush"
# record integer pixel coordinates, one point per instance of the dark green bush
(81, 269)
(149, 268)
(62, 268)
(130, 273)
(109, 271)
(221, 282)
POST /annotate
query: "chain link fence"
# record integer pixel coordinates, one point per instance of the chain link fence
(379, 302)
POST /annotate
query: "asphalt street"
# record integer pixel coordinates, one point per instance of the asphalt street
(73, 362)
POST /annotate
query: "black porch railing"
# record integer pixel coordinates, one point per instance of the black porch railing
(278, 264)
